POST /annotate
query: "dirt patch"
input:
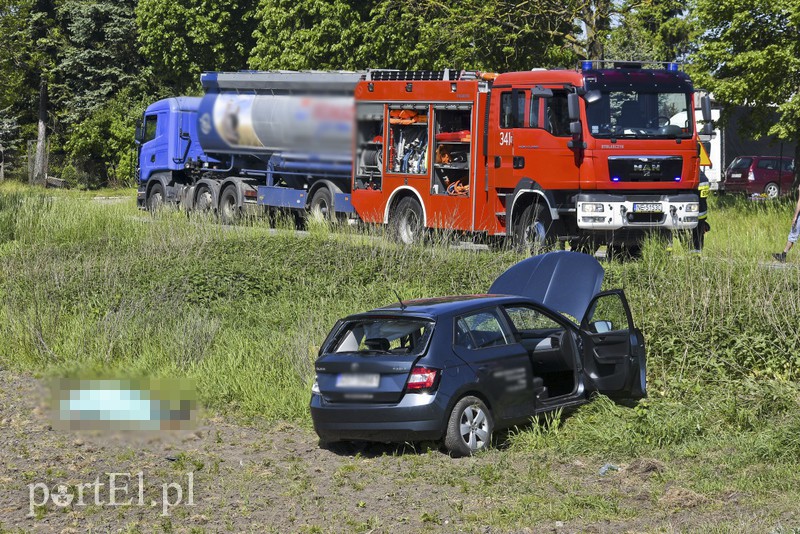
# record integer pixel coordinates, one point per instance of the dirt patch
(646, 467)
(273, 477)
(676, 497)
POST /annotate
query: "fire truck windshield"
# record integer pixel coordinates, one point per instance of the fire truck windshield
(625, 112)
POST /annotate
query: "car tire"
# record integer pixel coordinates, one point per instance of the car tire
(155, 199)
(534, 230)
(229, 212)
(469, 429)
(772, 190)
(406, 222)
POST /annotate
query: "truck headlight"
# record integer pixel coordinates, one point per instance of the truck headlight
(692, 207)
(315, 387)
(592, 207)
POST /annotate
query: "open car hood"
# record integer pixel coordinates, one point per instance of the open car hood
(563, 281)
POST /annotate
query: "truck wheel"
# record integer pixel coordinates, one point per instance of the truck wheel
(229, 212)
(533, 233)
(205, 200)
(155, 200)
(772, 190)
(469, 428)
(406, 222)
(321, 205)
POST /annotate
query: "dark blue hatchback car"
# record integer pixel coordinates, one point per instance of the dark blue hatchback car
(458, 368)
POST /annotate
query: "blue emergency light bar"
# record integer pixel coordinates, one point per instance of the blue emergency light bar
(590, 64)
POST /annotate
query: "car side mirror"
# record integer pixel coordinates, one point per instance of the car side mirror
(139, 134)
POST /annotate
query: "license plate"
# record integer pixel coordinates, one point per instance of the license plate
(647, 207)
(358, 380)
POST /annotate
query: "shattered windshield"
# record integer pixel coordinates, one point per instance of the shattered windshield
(385, 335)
(625, 112)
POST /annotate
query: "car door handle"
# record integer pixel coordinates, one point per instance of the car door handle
(519, 162)
(153, 158)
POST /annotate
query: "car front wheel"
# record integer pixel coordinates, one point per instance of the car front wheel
(469, 428)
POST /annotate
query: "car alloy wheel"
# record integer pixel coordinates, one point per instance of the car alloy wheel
(469, 429)
(772, 190)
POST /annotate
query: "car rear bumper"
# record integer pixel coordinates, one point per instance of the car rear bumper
(743, 187)
(416, 417)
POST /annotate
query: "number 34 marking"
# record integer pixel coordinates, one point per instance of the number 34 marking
(506, 138)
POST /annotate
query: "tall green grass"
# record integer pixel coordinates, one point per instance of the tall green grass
(87, 286)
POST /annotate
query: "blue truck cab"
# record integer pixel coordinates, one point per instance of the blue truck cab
(167, 141)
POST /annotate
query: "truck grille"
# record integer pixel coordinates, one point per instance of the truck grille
(645, 168)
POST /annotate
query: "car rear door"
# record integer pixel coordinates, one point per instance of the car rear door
(613, 349)
(736, 175)
(502, 366)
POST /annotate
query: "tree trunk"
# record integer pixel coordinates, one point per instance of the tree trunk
(40, 159)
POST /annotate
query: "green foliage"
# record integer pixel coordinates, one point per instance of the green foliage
(182, 39)
(495, 35)
(308, 34)
(748, 53)
(102, 144)
(95, 59)
(655, 31)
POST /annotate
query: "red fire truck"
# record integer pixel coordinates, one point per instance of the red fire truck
(602, 154)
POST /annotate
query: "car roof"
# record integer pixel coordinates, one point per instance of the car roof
(433, 308)
(767, 157)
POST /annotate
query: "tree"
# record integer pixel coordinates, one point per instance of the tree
(650, 30)
(41, 60)
(425, 34)
(9, 140)
(183, 39)
(95, 56)
(748, 54)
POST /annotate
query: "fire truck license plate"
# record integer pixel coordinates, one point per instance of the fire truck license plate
(647, 207)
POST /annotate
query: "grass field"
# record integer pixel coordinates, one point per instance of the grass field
(96, 287)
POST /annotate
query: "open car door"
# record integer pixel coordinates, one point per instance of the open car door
(613, 349)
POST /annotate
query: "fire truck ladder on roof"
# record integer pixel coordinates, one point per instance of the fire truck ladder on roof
(389, 75)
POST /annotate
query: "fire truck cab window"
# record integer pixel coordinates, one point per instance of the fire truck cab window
(509, 116)
(557, 114)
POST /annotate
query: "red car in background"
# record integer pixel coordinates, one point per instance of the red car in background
(770, 175)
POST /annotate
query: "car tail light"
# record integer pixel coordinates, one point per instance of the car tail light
(751, 176)
(422, 379)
